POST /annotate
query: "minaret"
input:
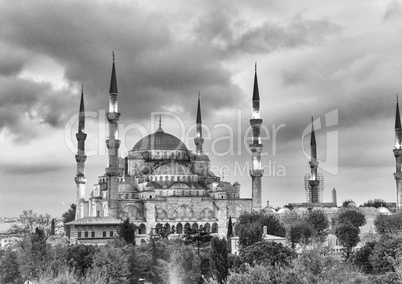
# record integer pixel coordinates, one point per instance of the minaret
(313, 182)
(201, 162)
(198, 140)
(398, 157)
(256, 148)
(113, 144)
(80, 179)
(334, 197)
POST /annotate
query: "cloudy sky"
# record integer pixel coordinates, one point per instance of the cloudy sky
(339, 61)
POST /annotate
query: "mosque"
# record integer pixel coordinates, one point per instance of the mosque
(161, 186)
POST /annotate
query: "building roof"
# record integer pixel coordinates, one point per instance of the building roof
(160, 141)
(95, 221)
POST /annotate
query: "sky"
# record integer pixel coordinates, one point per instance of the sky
(338, 61)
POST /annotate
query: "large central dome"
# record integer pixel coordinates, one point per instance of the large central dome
(160, 141)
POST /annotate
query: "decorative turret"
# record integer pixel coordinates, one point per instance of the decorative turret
(314, 194)
(113, 144)
(256, 171)
(80, 179)
(398, 157)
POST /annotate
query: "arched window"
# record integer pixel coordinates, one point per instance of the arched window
(195, 226)
(214, 228)
(173, 229)
(166, 228)
(158, 228)
(179, 228)
(207, 228)
(142, 229)
(186, 227)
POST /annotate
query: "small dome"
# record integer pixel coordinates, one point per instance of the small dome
(225, 186)
(383, 210)
(351, 204)
(268, 210)
(283, 210)
(160, 141)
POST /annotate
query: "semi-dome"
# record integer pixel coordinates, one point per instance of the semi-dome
(160, 141)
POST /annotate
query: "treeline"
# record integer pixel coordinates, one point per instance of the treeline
(198, 257)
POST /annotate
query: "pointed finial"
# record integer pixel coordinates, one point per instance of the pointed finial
(255, 67)
(199, 94)
(113, 55)
(396, 98)
(160, 121)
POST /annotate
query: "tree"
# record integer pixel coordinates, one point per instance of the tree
(319, 221)
(388, 224)
(218, 259)
(69, 216)
(230, 229)
(126, 231)
(197, 238)
(267, 253)
(300, 232)
(9, 272)
(384, 254)
(53, 227)
(249, 227)
(348, 236)
(362, 257)
(376, 203)
(80, 258)
(112, 263)
(30, 221)
(184, 266)
(354, 216)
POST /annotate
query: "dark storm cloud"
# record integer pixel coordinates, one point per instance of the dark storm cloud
(235, 37)
(157, 67)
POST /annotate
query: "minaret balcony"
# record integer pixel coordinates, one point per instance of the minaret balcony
(397, 152)
(314, 183)
(80, 158)
(80, 180)
(313, 164)
(113, 116)
(113, 142)
(256, 147)
(256, 173)
(81, 136)
(398, 176)
(255, 122)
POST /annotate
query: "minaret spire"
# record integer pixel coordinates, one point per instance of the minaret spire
(198, 140)
(113, 144)
(80, 158)
(256, 170)
(314, 194)
(398, 157)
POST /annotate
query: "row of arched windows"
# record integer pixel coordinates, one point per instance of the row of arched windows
(180, 229)
(168, 155)
(174, 178)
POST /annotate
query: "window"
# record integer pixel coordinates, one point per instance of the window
(92, 234)
(86, 234)
(97, 213)
(79, 234)
(111, 233)
(104, 234)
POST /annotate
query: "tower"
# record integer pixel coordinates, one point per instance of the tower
(80, 179)
(334, 197)
(113, 143)
(256, 147)
(398, 157)
(201, 161)
(314, 193)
